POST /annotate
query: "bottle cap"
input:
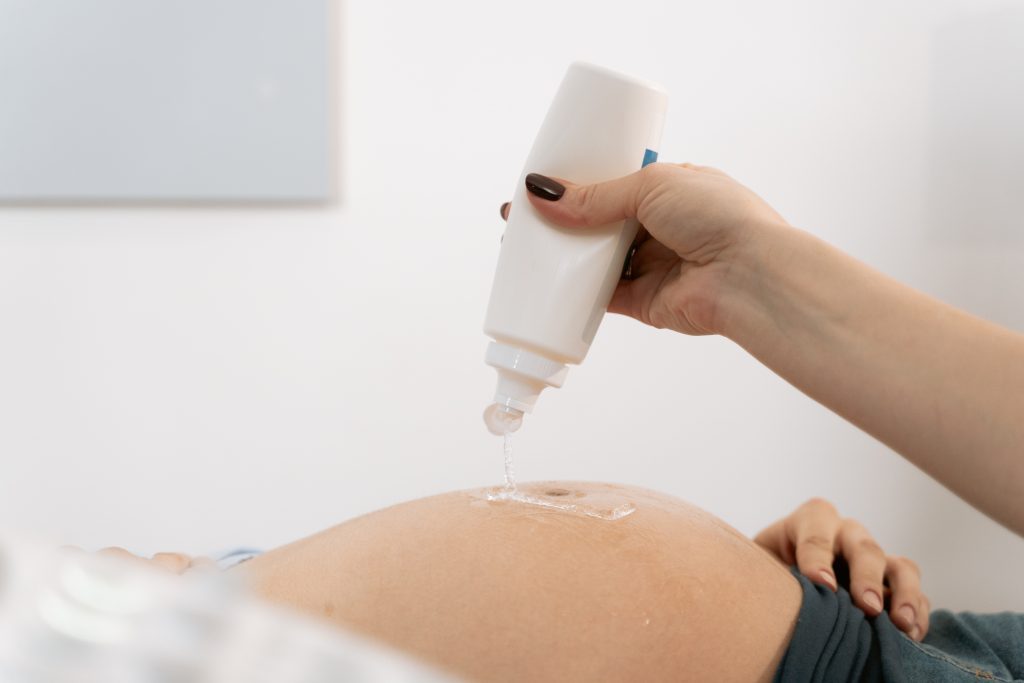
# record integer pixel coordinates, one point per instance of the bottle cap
(501, 420)
(522, 375)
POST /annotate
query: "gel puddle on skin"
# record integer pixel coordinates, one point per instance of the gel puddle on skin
(601, 504)
(576, 502)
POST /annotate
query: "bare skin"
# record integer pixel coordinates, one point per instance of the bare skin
(941, 387)
(503, 591)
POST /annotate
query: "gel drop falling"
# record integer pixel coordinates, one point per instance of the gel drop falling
(598, 505)
(510, 475)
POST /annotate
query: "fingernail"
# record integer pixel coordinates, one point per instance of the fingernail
(916, 633)
(872, 600)
(627, 265)
(544, 187)
(503, 209)
(907, 614)
(829, 578)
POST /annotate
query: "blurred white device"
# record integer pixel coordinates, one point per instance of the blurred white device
(71, 617)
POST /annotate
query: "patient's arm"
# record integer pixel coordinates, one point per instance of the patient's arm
(503, 591)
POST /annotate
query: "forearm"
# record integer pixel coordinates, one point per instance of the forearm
(939, 386)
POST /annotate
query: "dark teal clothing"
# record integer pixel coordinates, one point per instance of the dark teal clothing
(835, 642)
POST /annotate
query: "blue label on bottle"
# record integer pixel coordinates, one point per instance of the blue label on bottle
(650, 156)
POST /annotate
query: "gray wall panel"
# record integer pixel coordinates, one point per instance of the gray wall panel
(164, 100)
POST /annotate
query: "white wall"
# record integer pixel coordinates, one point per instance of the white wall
(197, 378)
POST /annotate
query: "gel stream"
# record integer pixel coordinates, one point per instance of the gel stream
(599, 504)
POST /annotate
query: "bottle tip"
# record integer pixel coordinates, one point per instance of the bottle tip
(502, 420)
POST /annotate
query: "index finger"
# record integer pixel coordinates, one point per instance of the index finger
(814, 530)
(774, 540)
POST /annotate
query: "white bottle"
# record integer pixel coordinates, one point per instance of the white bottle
(552, 285)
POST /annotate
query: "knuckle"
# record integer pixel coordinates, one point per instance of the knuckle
(818, 542)
(689, 166)
(654, 180)
(585, 196)
(171, 557)
(657, 173)
(586, 200)
(869, 546)
(657, 184)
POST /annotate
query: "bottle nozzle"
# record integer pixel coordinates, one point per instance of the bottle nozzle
(521, 377)
(502, 420)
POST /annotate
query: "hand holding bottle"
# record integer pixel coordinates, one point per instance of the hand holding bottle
(938, 385)
(699, 225)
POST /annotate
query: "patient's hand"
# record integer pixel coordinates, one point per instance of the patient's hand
(814, 536)
(176, 563)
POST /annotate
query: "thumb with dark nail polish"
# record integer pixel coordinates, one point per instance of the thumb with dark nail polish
(544, 187)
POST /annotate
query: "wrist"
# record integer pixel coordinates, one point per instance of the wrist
(747, 284)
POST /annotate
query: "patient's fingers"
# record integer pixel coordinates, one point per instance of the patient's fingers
(175, 563)
(814, 534)
(503, 210)
(908, 606)
(774, 540)
(806, 538)
(867, 566)
(120, 553)
(813, 529)
(203, 564)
